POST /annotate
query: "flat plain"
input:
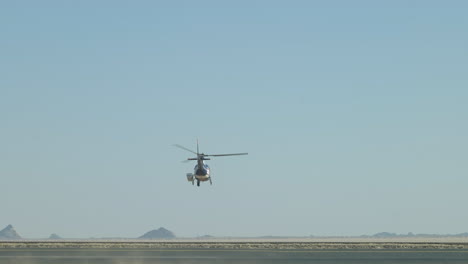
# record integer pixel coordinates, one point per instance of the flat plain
(247, 243)
(331, 251)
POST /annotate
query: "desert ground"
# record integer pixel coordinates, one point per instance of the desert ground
(240, 244)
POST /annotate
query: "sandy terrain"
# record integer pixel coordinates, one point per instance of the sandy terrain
(290, 243)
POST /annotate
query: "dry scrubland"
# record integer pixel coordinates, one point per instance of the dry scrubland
(246, 244)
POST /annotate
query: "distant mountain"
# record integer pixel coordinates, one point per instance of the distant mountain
(9, 233)
(384, 235)
(410, 234)
(160, 233)
(54, 236)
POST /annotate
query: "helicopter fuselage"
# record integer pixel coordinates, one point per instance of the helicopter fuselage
(201, 172)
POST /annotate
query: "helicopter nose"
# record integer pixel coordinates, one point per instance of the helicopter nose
(200, 172)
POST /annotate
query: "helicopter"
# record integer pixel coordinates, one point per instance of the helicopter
(201, 172)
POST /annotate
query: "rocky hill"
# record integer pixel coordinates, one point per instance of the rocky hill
(9, 233)
(54, 236)
(160, 233)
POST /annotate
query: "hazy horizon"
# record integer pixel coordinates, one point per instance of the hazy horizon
(379, 235)
(352, 115)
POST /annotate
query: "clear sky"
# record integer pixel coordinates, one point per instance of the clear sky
(354, 116)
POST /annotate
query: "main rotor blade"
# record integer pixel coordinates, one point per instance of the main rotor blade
(232, 154)
(184, 148)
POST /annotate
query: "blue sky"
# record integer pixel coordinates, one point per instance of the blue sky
(353, 116)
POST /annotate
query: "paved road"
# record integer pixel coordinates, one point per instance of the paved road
(195, 256)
